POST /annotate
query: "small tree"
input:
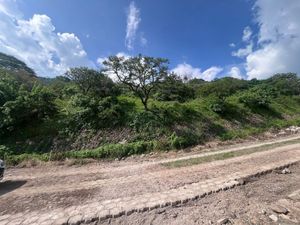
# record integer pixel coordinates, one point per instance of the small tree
(140, 74)
(91, 81)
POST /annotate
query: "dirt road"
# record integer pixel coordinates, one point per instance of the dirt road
(44, 189)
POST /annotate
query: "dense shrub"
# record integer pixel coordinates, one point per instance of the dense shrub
(259, 96)
(174, 113)
(217, 104)
(4, 152)
(219, 90)
(223, 87)
(172, 88)
(145, 121)
(8, 87)
(285, 84)
(93, 112)
(92, 82)
(28, 105)
(185, 139)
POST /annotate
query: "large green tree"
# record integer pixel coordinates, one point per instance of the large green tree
(141, 74)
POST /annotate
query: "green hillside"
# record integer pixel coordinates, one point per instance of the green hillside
(86, 115)
(13, 64)
(17, 69)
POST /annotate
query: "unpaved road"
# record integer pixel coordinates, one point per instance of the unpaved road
(250, 204)
(48, 187)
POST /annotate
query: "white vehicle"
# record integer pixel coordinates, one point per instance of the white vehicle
(2, 168)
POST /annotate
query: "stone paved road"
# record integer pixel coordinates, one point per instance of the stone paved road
(107, 191)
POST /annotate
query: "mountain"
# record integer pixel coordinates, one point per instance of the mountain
(11, 63)
(18, 69)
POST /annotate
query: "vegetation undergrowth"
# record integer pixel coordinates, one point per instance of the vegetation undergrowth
(145, 108)
(110, 151)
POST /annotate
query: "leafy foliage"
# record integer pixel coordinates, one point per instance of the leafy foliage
(140, 74)
(159, 110)
(8, 87)
(172, 88)
(218, 104)
(223, 87)
(259, 96)
(286, 84)
(92, 82)
(94, 112)
(26, 106)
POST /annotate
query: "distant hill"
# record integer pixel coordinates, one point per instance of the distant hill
(11, 63)
(18, 69)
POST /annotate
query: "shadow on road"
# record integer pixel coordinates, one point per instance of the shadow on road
(8, 186)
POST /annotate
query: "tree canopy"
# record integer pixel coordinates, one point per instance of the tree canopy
(140, 74)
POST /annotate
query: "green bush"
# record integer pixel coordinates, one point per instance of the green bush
(172, 88)
(174, 113)
(217, 104)
(92, 82)
(145, 121)
(285, 83)
(4, 152)
(93, 112)
(28, 105)
(185, 139)
(222, 87)
(259, 96)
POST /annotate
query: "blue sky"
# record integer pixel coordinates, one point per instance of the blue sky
(201, 38)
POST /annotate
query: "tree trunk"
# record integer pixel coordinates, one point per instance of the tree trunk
(145, 103)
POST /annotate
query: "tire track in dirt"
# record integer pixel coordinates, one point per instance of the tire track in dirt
(164, 178)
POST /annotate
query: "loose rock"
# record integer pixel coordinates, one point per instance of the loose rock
(160, 211)
(286, 171)
(279, 209)
(273, 217)
(223, 221)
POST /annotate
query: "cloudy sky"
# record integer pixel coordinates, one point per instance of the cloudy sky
(203, 39)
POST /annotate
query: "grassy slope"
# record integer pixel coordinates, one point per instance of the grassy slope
(238, 122)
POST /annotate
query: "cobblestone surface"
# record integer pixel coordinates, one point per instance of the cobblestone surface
(125, 206)
(190, 174)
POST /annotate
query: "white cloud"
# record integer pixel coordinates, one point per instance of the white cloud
(211, 73)
(279, 57)
(133, 21)
(242, 52)
(232, 45)
(123, 54)
(100, 60)
(35, 42)
(235, 72)
(278, 45)
(247, 33)
(143, 40)
(185, 70)
(110, 74)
